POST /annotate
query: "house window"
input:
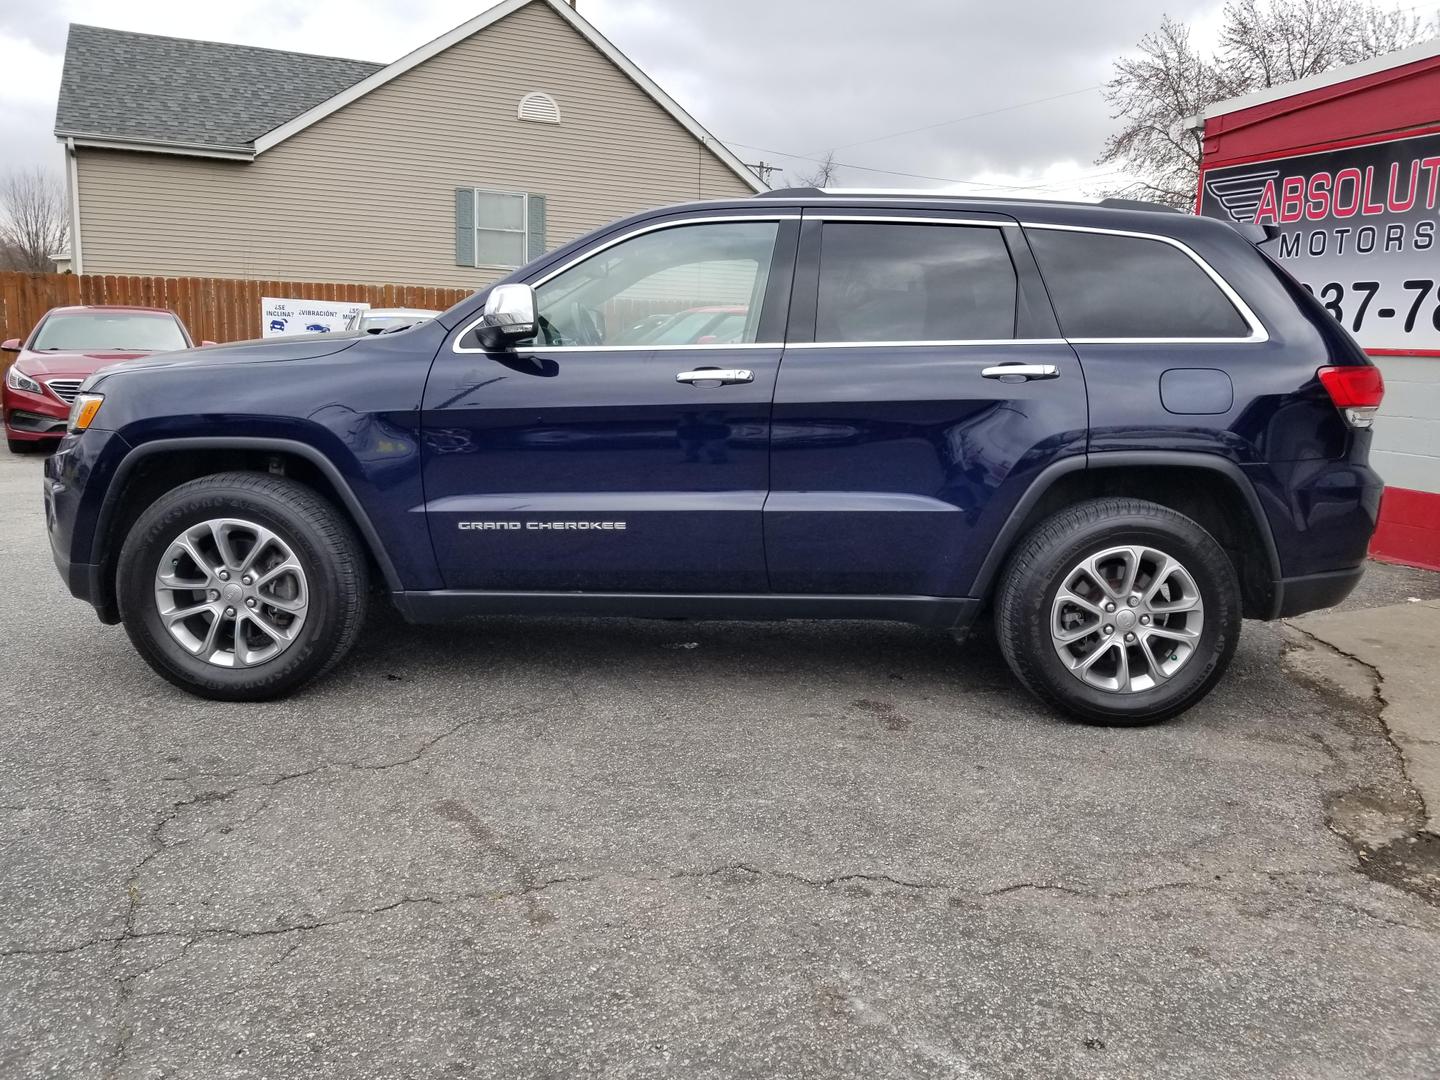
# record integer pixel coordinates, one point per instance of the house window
(538, 108)
(499, 228)
(503, 229)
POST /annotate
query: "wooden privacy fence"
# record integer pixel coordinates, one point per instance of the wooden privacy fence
(214, 309)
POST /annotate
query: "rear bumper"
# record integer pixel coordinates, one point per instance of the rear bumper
(1321, 514)
(1297, 595)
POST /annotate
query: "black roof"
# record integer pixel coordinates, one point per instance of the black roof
(152, 89)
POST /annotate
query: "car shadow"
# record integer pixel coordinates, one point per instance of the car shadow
(813, 651)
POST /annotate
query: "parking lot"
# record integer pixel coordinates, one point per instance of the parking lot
(572, 848)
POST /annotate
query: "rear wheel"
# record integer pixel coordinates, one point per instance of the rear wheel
(1118, 611)
(242, 586)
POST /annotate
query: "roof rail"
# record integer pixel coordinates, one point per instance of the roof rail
(920, 193)
(1138, 204)
(790, 193)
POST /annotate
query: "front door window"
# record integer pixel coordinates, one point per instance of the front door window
(698, 284)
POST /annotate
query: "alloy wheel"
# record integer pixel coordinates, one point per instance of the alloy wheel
(231, 593)
(1127, 619)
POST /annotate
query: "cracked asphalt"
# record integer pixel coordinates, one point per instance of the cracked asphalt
(570, 848)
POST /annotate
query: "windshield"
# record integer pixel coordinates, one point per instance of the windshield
(109, 332)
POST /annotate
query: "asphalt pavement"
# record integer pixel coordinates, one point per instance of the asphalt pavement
(574, 848)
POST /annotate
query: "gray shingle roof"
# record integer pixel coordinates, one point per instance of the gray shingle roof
(156, 89)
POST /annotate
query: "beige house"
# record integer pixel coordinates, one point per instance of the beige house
(511, 134)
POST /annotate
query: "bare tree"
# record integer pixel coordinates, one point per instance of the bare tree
(1262, 43)
(825, 173)
(33, 223)
(1152, 92)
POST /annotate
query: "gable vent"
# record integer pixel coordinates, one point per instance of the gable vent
(539, 108)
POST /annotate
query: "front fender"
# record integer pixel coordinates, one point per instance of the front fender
(353, 414)
(345, 472)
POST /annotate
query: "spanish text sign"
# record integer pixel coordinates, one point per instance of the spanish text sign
(283, 317)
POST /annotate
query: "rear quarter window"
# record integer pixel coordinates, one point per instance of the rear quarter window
(1107, 286)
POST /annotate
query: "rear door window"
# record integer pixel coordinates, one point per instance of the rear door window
(1116, 287)
(893, 282)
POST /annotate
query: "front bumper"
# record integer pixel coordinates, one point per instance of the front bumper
(83, 581)
(76, 478)
(32, 417)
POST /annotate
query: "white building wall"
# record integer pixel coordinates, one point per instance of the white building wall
(1406, 450)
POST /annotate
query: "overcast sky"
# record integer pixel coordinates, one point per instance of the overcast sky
(769, 77)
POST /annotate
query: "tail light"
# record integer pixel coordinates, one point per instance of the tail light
(1356, 390)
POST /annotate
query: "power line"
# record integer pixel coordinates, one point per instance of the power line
(931, 127)
(970, 116)
(922, 176)
(859, 168)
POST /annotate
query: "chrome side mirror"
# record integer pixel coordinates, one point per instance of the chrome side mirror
(509, 316)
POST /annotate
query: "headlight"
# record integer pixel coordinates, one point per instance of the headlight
(19, 381)
(83, 412)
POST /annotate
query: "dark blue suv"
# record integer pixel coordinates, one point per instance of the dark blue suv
(1118, 429)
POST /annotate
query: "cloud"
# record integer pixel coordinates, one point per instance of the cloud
(785, 76)
(40, 23)
(802, 78)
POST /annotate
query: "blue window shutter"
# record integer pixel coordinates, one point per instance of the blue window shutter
(465, 226)
(535, 228)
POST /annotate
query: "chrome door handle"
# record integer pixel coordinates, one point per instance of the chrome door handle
(720, 375)
(1022, 371)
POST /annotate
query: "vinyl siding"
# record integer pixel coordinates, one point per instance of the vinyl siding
(367, 194)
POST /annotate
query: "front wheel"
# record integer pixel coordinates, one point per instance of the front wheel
(242, 586)
(1118, 611)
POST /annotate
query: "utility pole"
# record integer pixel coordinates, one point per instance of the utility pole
(763, 170)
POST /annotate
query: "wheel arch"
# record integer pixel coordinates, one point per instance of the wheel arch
(152, 468)
(1213, 491)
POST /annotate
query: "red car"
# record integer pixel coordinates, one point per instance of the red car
(67, 345)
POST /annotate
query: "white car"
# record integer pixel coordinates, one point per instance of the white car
(380, 320)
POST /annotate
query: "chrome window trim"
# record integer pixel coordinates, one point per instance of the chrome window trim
(863, 216)
(547, 349)
(590, 253)
(1258, 334)
(984, 342)
(793, 345)
(1261, 337)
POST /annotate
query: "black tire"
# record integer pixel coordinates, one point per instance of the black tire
(324, 544)
(1041, 564)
